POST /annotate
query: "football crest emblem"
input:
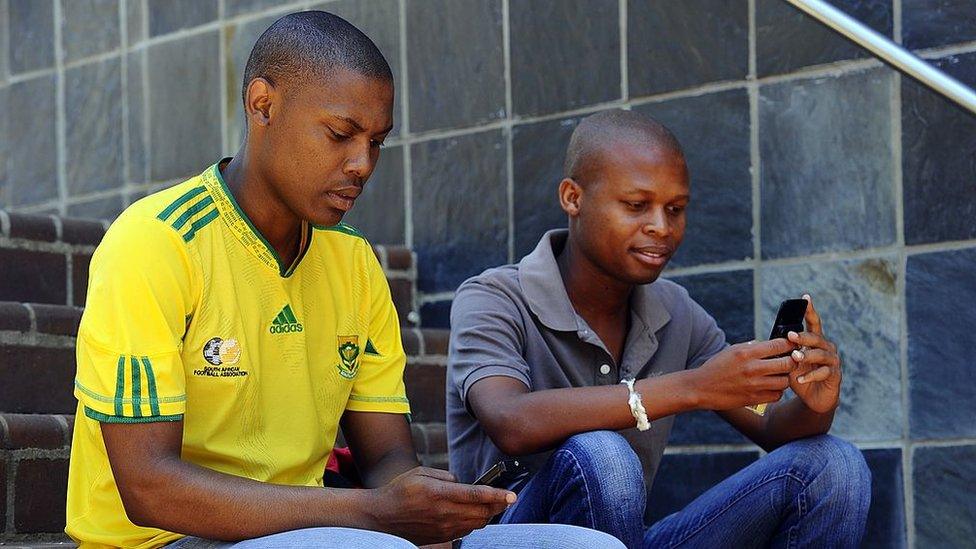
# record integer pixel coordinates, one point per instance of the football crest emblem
(348, 347)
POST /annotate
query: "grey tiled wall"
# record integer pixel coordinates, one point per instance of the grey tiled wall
(814, 167)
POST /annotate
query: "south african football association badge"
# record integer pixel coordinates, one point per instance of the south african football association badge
(348, 356)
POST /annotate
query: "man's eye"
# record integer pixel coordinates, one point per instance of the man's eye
(338, 135)
(677, 209)
(375, 144)
(635, 205)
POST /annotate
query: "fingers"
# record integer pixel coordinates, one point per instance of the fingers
(820, 374)
(811, 339)
(764, 349)
(812, 318)
(775, 383)
(816, 357)
(486, 495)
(775, 366)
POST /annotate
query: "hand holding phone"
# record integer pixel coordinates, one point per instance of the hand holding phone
(789, 318)
(503, 474)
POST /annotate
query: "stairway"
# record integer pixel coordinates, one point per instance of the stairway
(43, 276)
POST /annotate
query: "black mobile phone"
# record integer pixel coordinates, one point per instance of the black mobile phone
(789, 318)
(503, 474)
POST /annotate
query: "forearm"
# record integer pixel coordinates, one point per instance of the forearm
(540, 420)
(391, 465)
(791, 420)
(189, 499)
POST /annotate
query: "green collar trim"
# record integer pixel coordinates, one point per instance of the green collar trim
(245, 230)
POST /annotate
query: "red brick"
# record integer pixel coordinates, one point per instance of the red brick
(419, 438)
(436, 438)
(57, 319)
(79, 277)
(401, 290)
(70, 429)
(425, 389)
(398, 259)
(436, 341)
(82, 231)
(39, 495)
(33, 227)
(411, 343)
(13, 316)
(436, 461)
(30, 276)
(3, 493)
(37, 380)
(32, 431)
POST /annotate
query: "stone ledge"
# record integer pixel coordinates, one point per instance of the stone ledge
(49, 228)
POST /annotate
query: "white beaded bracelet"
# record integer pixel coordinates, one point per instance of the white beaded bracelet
(636, 406)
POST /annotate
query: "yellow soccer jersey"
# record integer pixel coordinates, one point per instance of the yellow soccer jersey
(191, 316)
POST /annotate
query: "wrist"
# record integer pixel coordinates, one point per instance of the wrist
(690, 390)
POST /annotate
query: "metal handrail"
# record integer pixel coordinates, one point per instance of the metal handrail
(889, 52)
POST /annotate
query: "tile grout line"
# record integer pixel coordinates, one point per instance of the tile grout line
(509, 131)
(624, 66)
(222, 78)
(908, 475)
(754, 172)
(59, 117)
(144, 74)
(124, 75)
(405, 130)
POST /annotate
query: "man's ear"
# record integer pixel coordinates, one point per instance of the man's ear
(258, 100)
(570, 193)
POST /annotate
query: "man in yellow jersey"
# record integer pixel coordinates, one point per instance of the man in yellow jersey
(233, 322)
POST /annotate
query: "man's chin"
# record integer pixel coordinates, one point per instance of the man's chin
(325, 218)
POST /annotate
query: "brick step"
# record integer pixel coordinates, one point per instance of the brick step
(37, 361)
(34, 452)
(45, 259)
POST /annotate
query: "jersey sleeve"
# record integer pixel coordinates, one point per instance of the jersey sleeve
(379, 384)
(140, 300)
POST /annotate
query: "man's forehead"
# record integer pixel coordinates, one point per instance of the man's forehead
(364, 103)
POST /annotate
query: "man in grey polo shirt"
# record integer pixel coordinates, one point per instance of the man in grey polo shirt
(539, 350)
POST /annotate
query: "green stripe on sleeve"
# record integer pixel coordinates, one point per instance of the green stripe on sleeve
(151, 381)
(136, 388)
(179, 202)
(199, 224)
(191, 211)
(98, 416)
(119, 385)
(396, 400)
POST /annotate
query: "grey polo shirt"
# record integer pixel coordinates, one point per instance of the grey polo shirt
(517, 321)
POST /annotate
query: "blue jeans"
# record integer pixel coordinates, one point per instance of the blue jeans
(813, 492)
(541, 536)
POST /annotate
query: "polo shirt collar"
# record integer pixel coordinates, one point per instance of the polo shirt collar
(546, 294)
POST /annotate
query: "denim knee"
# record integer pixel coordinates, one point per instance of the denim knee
(840, 464)
(605, 458)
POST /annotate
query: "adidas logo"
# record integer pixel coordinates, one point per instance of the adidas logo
(285, 322)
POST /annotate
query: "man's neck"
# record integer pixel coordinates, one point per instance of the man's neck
(596, 296)
(269, 215)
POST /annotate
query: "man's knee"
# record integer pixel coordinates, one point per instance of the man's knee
(839, 464)
(605, 457)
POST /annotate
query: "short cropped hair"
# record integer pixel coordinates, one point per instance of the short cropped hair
(309, 44)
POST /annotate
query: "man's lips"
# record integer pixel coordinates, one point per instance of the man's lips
(654, 256)
(343, 198)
